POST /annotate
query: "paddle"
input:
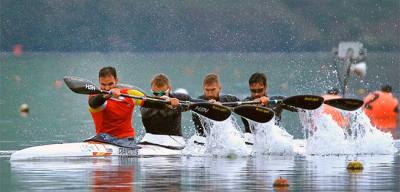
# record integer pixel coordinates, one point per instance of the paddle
(254, 113)
(209, 110)
(345, 103)
(309, 102)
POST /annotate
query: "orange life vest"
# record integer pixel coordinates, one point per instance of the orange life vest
(335, 113)
(382, 108)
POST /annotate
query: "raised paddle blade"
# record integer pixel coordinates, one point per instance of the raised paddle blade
(211, 111)
(345, 103)
(81, 86)
(309, 102)
(255, 113)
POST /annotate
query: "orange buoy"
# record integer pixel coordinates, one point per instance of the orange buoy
(17, 50)
(281, 182)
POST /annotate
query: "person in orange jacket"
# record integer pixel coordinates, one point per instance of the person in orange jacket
(383, 109)
(335, 113)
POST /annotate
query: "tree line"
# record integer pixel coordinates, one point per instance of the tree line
(198, 25)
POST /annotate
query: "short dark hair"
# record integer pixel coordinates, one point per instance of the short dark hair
(386, 88)
(160, 80)
(258, 78)
(210, 79)
(107, 71)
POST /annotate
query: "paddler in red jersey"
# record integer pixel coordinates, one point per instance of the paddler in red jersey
(333, 112)
(112, 113)
(383, 110)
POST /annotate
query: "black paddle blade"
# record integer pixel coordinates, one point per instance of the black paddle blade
(81, 86)
(211, 111)
(254, 113)
(309, 102)
(345, 103)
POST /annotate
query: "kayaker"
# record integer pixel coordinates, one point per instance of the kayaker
(167, 120)
(112, 113)
(336, 115)
(211, 92)
(383, 109)
(259, 92)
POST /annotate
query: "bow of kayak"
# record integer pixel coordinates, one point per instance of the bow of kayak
(151, 145)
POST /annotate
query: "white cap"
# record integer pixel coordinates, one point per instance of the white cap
(181, 90)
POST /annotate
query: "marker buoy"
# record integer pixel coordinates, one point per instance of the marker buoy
(17, 50)
(24, 110)
(355, 166)
(281, 182)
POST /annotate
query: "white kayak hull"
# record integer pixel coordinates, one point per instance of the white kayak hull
(152, 145)
(157, 145)
(88, 149)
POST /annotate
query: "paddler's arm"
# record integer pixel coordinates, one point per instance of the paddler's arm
(98, 100)
(148, 103)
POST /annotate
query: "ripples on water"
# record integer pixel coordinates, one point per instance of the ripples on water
(304, 173)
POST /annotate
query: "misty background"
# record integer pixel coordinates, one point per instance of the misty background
(198, 25)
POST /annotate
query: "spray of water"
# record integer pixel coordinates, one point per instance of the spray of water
(223, 139)
(325, 137)
(270, 139)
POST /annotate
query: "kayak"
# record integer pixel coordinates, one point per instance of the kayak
(150, 145)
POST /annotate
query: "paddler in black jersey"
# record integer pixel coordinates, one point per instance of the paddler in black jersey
(167, 120)
(211, 92)
(259, 92)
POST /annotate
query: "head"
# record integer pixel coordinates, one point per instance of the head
(258, 85)
(386, 88)
(160, 85)
(211, 86)
(333, 91)
(108, 78)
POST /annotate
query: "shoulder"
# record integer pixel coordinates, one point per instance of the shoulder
(247, 99)
(201, 97)
(228, 98)
(132, 92)
(180, 96)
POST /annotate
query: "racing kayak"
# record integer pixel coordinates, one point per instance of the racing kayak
(150, 145)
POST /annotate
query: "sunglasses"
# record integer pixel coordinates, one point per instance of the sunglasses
(160, 93)
(257, 90)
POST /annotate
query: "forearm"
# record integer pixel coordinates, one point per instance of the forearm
(97, 100)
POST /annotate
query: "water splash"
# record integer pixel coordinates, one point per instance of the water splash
(325, 137)
(223, 139)
(270, 139)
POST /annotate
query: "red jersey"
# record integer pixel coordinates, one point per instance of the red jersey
(115, 115)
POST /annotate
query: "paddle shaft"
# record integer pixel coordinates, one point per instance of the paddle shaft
(236, 103)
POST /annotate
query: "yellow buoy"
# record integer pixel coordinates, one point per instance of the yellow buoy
(355, 166)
